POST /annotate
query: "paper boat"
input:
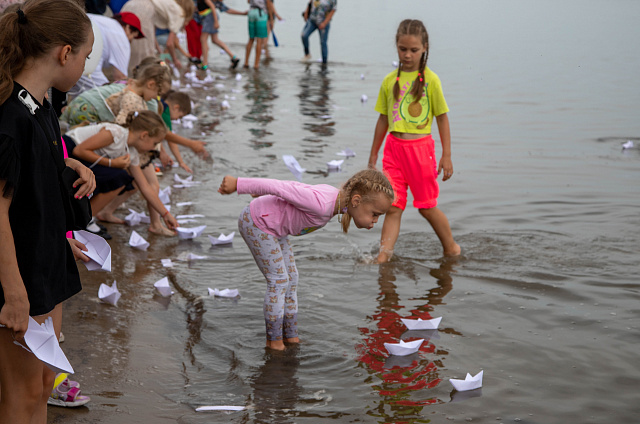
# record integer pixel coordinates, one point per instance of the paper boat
(164, 194)
(293, 166)
(137, 241)
(219, 408)
(419, 324)
(135, 218)
(109, 294)
(186, 221)
(99, 250)
(469, 383)
(167, 263)
(222, 239)
(347, 153)
(193, 215)
(223, 293)
(190, 233)
(163, 287)
(335, 164)
(179, 179)
(627, 145)
(402, 348)
(41, 341)
(188, 256)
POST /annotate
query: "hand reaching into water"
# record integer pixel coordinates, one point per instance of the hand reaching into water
(229, 185)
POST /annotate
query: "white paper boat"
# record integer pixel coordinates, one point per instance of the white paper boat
(419, 324)
(41, 341)
(469, 383)
(190, 233)
(193, 215)
(347, 153)
(186, 221)
(108, 294)
(167, 263)
(177, 178)
(135, 218)
(187, 184)
(222, 239)
(364, 98)
(137, 241)
(219, 408)
(293, 166)
(238, 77)
(627, 145)
(188, 256)
(163, 287)
(164, 194)
(99, 250)
(335, 164)
(190, 117)
(223, 292)
(402, 348)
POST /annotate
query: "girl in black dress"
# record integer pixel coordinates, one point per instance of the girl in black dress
(44, 44)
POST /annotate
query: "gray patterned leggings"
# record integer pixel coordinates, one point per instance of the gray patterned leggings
(274, 257)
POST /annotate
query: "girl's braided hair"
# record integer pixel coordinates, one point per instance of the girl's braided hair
(415, 28)
(367, 183)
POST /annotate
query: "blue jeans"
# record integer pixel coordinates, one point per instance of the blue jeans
(308, 29)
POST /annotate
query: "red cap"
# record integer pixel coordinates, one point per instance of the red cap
(132, 20)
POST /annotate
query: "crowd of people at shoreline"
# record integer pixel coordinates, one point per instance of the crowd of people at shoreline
(118, 104)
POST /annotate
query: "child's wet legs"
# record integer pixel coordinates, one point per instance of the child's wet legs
(440, 224)
(390, 231)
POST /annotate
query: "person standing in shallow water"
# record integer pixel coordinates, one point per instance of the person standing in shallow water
(45, 44)
(409, 99)
(292, 208)
(318, 16)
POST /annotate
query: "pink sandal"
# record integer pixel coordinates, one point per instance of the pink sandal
(66, 393)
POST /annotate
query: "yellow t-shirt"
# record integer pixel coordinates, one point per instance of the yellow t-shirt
(404, 116)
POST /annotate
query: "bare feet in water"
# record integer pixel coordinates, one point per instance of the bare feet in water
(275, 344)
(453, 251)
(109, 217)
(162, 231)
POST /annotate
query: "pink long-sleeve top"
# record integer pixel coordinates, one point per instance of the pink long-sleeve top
(289, 207)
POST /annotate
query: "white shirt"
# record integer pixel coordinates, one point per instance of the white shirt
(116, 51)
(118, 148)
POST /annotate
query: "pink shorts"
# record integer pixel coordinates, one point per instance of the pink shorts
(412, 163)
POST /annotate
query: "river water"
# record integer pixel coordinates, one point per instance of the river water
(544, 202)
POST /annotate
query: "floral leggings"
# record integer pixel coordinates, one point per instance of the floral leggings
(274, 257)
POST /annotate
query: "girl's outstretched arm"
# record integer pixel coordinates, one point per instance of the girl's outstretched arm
(229, 185)
(197, 146)
(445, 138)
(378, 137)
(152, 197)
(15, 311)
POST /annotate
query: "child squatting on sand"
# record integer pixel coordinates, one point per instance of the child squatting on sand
(286, 208)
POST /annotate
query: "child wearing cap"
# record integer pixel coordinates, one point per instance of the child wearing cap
(117, 34)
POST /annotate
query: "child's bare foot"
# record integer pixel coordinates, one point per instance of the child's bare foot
(275, 344)
(162, 231)
(292, 340)
(453, 251)
(109, 217)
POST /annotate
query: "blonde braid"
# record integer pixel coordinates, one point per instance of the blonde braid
(366, 183)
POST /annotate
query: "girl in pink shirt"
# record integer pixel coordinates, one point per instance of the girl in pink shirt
(286, 208)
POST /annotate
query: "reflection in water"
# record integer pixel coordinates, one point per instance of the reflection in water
(398, 379)
(275, 387)
(315, 86)
(261, 91)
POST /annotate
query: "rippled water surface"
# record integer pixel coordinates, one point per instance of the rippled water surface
(544, 203)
